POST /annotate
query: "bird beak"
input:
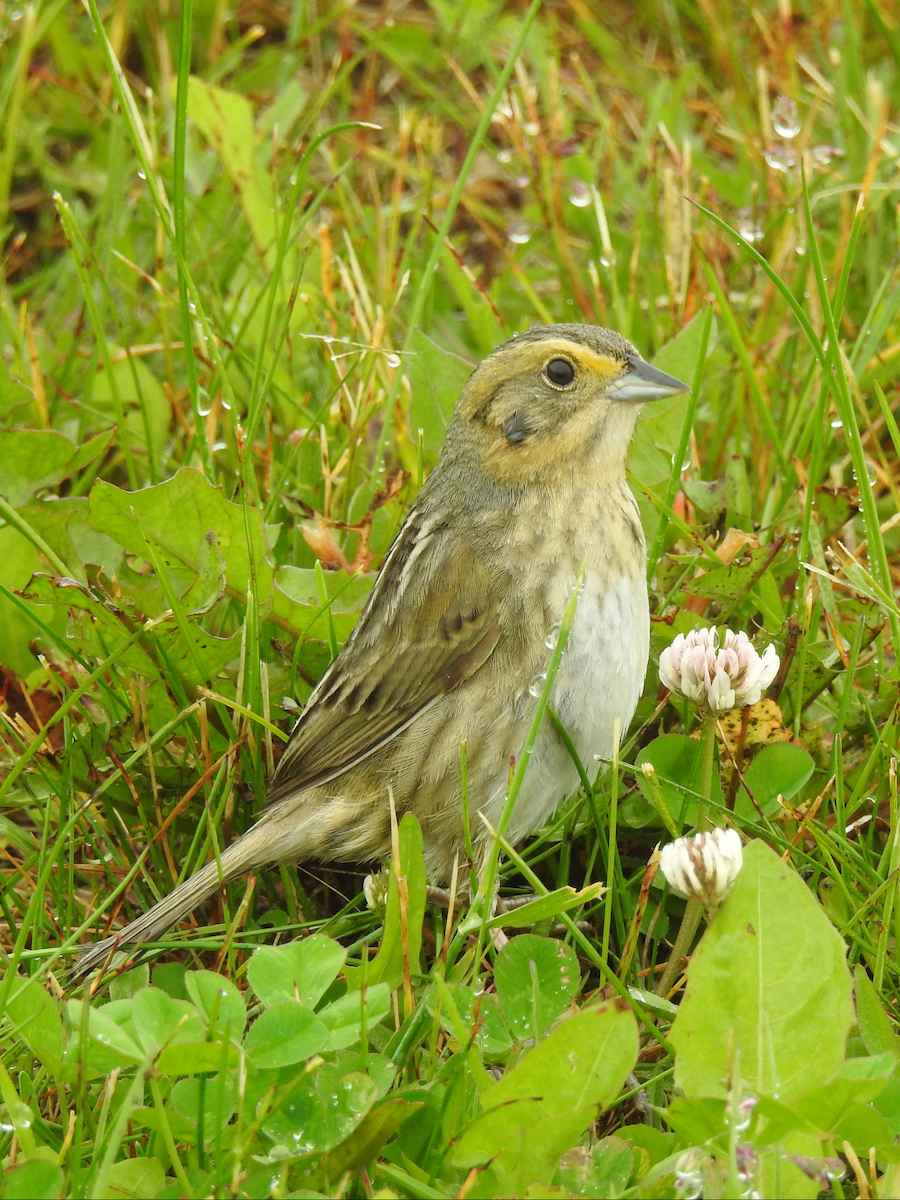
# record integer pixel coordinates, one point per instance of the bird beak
(644, 382)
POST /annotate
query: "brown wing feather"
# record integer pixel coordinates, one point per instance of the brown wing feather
(436, 593)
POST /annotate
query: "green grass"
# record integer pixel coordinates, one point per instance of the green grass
(278, 275)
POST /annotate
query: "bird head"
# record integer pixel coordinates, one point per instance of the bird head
(553, 397)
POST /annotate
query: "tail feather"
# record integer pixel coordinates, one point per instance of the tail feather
(236, 860)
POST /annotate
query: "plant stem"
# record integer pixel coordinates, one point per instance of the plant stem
(694, 911)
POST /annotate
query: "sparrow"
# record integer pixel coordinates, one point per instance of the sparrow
(529, 488)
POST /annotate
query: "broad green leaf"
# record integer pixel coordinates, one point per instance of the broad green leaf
(376, 1128)
(605, 1171)
(226, 121)
(768, 994)
(201, 507)
(221, 1004)
(143, 401)
(387, 966)
(161, 1021)
(196, 1058)
(143, 1178)
(481, 1021)
(436, 378)
(659, 430)
(215, 1100)
(321, 1111)
(300, 971)
(677, 759)
(34, 1180)
(776, 770)
(296, 599)
(36, 1019)
(13, 393)
(108, 1045)
(344, 1018)
(33, 459)
(283, 1035)
(536, 978)
(539, 1109)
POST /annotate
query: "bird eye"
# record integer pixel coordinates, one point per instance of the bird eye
(560, 372)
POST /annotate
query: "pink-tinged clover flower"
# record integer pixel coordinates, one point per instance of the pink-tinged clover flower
(705, 866)
(717, 678)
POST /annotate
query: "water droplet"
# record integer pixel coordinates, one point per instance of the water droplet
(531, 128)
(785, 121)
(519, 233)
(504, 156)
(326, 339)
(801, 250)
(141, 175)
(537, 685)
(608, 259)
(522, 181)
(781, 158)
(551, 641)
(871, 473)
(751, 233)
(219, 446)
(837, 423)
(821, 156)
(579, 194)
(392, 360)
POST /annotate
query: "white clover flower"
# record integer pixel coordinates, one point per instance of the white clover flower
(717, 678)
(375, 890)
(705, 866)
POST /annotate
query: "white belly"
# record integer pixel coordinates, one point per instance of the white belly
(594, 695)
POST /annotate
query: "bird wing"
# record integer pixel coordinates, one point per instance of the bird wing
(431, 621)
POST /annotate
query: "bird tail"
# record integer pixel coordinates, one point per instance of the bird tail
(240, 857)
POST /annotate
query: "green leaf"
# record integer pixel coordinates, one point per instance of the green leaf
(605, 1172)
(13, 393)
(875, 1026)
(108, 1045)
(480, 1023)
(161, 1021)
(33, 459)
(296, 599)
(34, 1180)
(216, 1098)
(540, 1108)
(546, 907)
(226, 121)
(143, 1178)
(201, 508)
(35, 1017)
(768, 994)
(679, 769)
(779, 769)
(536, 978)
(321, 1111)
(387, 966)
(436, 377)
(221, 1004)
(344, 1019)
(196, 1058)
(299, 972)
(374, 1131)
(285, 1034)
